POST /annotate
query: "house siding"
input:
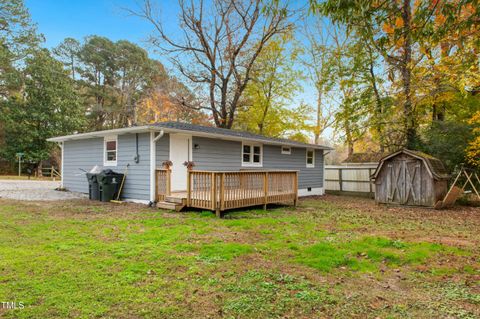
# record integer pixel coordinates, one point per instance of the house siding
(77, 156)
(221, 155)
(216, 155)
(307, 176)
(210, 154)
(87, 153)
(162, 149)
(137, 183)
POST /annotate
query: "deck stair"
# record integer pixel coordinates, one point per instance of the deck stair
(176, 201)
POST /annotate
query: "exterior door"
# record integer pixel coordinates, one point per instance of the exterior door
(180, 152)
(404, 182)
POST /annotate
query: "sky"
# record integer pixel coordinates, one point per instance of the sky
(59, 19)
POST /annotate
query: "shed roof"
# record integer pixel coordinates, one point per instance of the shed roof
(198, 130)
(434, 165)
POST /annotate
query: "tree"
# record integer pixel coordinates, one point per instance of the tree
(319, 61)
(219, 46)
(271, 91)
(473, 148)
(164, 102)
(68, 52)
(47, 107)
(112, 78)
(17, 38)
(97, 78)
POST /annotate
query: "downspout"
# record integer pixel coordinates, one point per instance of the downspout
(61, 145)
(323, 173)
(153, 164)
(159, 136)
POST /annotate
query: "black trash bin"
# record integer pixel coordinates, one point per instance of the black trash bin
(109, 184)
(93, 189)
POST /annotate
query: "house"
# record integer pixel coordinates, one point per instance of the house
(410, 178)
(212, 150)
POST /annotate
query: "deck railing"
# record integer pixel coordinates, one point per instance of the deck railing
(163, 184)
(219, 191)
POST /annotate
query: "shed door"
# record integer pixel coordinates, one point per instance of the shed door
(404, 182)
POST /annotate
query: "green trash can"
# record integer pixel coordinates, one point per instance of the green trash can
(109, 184)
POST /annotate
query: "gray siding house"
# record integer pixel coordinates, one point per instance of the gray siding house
(145, 148)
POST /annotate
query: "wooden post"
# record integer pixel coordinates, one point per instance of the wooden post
(156, 185)
(265, 190)
(168, 176)
(222, 191)
(340, 177)
(213, 190)
(295, 185)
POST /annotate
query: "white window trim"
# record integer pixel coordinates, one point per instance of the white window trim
(251, 164)
(286, 152)
(306, 158)
(105, 140)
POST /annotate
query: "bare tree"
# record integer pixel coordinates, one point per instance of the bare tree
(320, 62)
(218, 46)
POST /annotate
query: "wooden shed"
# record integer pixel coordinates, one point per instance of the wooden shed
(410, 178)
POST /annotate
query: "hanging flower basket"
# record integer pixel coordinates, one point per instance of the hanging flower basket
(189, 165)
(167, 164)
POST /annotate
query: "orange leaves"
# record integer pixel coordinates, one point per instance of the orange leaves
(440, 20)
(388, 28)
(399, 22)
(473, 149)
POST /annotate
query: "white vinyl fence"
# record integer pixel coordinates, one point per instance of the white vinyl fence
(350, 179)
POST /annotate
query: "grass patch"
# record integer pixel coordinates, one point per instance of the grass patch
(259, 294)
(91, 260)
(365, 254)
(222, 251)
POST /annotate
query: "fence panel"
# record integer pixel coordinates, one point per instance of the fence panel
(350, 179)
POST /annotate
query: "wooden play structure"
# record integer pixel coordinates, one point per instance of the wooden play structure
(470, 179)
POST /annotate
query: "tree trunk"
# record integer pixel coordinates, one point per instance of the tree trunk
(405, 68)
(379, 108)
(318, 123)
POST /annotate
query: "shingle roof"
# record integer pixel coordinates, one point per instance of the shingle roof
(232, 133)
(436, 165)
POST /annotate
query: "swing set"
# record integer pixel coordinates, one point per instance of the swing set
(470, 178)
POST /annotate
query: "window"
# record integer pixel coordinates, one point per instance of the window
(110, 151)
(252, 155)
(310, 158)
(287, 150)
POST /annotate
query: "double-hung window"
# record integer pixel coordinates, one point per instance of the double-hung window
(252, 155)
(110, 151)
(310, 154)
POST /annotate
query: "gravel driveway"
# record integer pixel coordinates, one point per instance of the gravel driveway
(34, 190)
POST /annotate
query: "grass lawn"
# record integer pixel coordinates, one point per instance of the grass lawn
(330, 257)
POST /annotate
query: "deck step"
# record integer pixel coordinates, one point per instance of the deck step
(177, 200)
(171, 206)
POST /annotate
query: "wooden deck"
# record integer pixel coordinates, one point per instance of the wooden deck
(219, 191)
